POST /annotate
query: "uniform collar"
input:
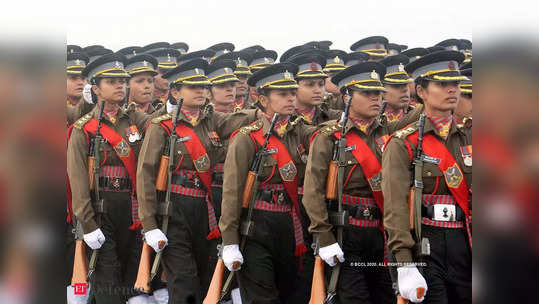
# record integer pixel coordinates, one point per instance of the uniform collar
(266, 123)
(430, 127)
(351, 125)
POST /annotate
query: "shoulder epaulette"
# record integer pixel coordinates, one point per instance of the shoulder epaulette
(82, 121)
(466, 123)
(250, 128)
(161, 118)
(403, 133)
(331, 128)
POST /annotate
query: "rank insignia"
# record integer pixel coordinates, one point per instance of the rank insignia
(202, 164)
(453, 176)
(288, 171)
(122, 148)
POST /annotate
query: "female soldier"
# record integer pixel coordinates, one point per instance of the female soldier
(363, 239)
(192, 221)
(446, 210)
(141, 83)
(114, 232)
(269, 272)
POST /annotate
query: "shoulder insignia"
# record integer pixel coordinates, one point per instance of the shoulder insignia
(161, 118)
(329, 129)
(466, 123)
(130, 108)
(248, 129)
(296, 121)
(403, 133)
(82, 121)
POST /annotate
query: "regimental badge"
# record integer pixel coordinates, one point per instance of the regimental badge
(454, 48)
(134, 53)
(453, 176)
(288, 172)
(117, 64)
(376, 182)
(337, 59)
(401, 67)
(132, 134)
(197, 71)
(77, 62)
(266, 60)
(374, 75)
(122, 148)
(145, 63)
(168, 58)
(451, 65)
(227, 70)
(314, 66)
(225, 51)
(202, 164)
(287, 75)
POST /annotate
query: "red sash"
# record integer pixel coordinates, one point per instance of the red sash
(289, 176)
(453, 175)
(202, 164)
(124, 153)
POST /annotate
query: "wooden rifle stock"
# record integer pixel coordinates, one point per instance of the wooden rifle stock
(91, 166)
(318, 287)
(331, 185)
(216, 284)
(80, 270)
(162, 174)
(143, 275)
(411, 207)
(420, 293)
(248, 190)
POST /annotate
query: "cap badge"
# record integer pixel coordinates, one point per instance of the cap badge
(134, 53)
(225, 51)
(314, 66)
(145, 63)
(77, 62)
(117, 64)
(374, 75)
(401, 67)
(454, 48)
(336, 59)
(168, 58)
(227, 70)
(451, 65)
(266, 60)
(197, 71)
(287, 75)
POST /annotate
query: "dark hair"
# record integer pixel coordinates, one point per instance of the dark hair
(422, 82)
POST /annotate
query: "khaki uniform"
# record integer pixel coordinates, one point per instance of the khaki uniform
(324, 113)
(119, 256)
(449, 265)
(335, 102)
(186, 258)
(270, 266)
(360, 244)
(74, 112)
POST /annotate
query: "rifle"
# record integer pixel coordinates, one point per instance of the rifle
(94, 166)
(217, 294)
(334, 191)
(169, 165)
(80, 270)
(383, 109)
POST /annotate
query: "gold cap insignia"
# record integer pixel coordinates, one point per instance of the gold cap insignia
(168, 58)
(77, 62)
(197, 71)
(454, 48)
(227, 70)
(287, 75)
(117, 64)
(337, 59)
(374, 75)
(266, 60)
(134, 53)
(145, 63)
(401, 67)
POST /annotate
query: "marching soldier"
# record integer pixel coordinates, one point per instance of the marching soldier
(142, 69)
(261, 59)
(223, 89)
(167, 60)
(110, 226)
(242, 72)
(375, 46)
(335, 62)
(464, 108)
(442, 189)
(191, 218)
(397, 94)
(413, 55)
(270, 254)
(75, 109)
(363, 240)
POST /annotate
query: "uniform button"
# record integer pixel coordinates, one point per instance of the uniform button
(429, 173)
(349, 162)
(179, 151)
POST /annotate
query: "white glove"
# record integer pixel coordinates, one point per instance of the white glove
(86, 93)
(94, 239)
(231, 254)
(171, 108)
(410, 280)
(328, 253)
(153, 237)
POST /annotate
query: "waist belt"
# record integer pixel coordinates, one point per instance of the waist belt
(274, 193)
(114, 179)
(217, 175)
(187, 179)
(363, 211)
(442, 211)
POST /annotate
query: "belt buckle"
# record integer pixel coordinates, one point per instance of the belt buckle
(280, 198)
(367, 213)
(116, 183)
(196, 182)
(445, 212)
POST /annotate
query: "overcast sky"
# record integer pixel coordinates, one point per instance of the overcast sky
(275, 24)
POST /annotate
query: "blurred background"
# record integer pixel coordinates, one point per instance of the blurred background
(33, 129)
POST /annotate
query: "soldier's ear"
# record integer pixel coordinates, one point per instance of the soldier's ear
(263, 99)
(420, 91)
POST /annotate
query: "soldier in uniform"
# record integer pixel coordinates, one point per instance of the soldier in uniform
(142, 69)
(375, 46)
(397, 94)
(223, 89)
(270, 256)
(363, 238)
(115, 233)
(413, 55)
(464, 108)
(242, 72)
(75, 106)
(446, 189)
(260, 60)
(167, 59)
(335, 62)
(182, 47)
(192, 222)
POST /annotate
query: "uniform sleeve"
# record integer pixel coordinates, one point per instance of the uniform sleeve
(73, 113)
(147, 168)
(314, 198)
(240, 152)
(409, 118)
(143, 119)
(77, 170)
(396, 187)
(227, 123)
